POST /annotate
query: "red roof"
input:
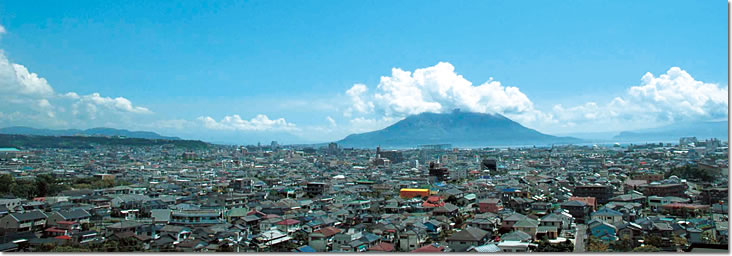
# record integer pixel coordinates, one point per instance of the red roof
(433, 201)
(269, 216)
(63, 237)
(588, 200)
(431, 205)
(328, 231)
(382, 247)
(258, 213)
(288, 222)
(434, 198)
(429, 248)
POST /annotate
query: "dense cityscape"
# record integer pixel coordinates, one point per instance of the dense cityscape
(435, 198)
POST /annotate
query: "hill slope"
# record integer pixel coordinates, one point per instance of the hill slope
(463, 129)
(701, 130)
(77, 142)
(22, 130)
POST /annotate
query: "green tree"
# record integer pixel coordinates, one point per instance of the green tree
(546, 246)
(130, 244)
(595, 245)
(646, 248)
(225, 248)
(47, 185)
(624, 244)
(66, 248)
(653, 240)
(47, 247)
(301, 237)
(679, 241)
(24, 188)
(44, 182)
(709, 237)
(6, 180)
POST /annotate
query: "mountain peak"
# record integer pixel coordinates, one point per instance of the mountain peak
(468, 129)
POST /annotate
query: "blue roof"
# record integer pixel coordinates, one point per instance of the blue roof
(305, 248)
(9, 150)
(607, 212)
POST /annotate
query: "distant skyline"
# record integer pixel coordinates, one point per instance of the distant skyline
(316, 71)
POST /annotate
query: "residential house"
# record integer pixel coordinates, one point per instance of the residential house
(603, 230)
(466, 238)
(21, 222)
(78, 215)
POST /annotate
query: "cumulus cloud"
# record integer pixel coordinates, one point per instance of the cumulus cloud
(438, 89)
(118, 104)
(29, 99)
(258, 123)
(359, 105)
(15, 79)
(671, 97)
(677, 93)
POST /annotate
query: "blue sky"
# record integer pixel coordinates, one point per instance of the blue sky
(295, 61)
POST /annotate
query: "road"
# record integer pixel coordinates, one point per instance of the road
(579, 238)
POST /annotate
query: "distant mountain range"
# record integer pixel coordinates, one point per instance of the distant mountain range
(700, 130)
(461, 129)
(86, 142)
(22, 130)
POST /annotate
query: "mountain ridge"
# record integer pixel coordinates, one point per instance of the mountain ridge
(98, 131)
(465, 129)
(701, 130)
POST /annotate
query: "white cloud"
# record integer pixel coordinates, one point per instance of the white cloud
(258, 123)
(15, 79)
(679, 94)
(118, 104)
(671, 97)
(30, 100)
(438, 89)
(331, 121)
(359, 105)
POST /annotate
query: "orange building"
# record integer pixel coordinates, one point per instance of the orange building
(413, 192)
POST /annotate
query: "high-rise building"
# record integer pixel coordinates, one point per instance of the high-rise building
(333, 148)
(440, 173)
